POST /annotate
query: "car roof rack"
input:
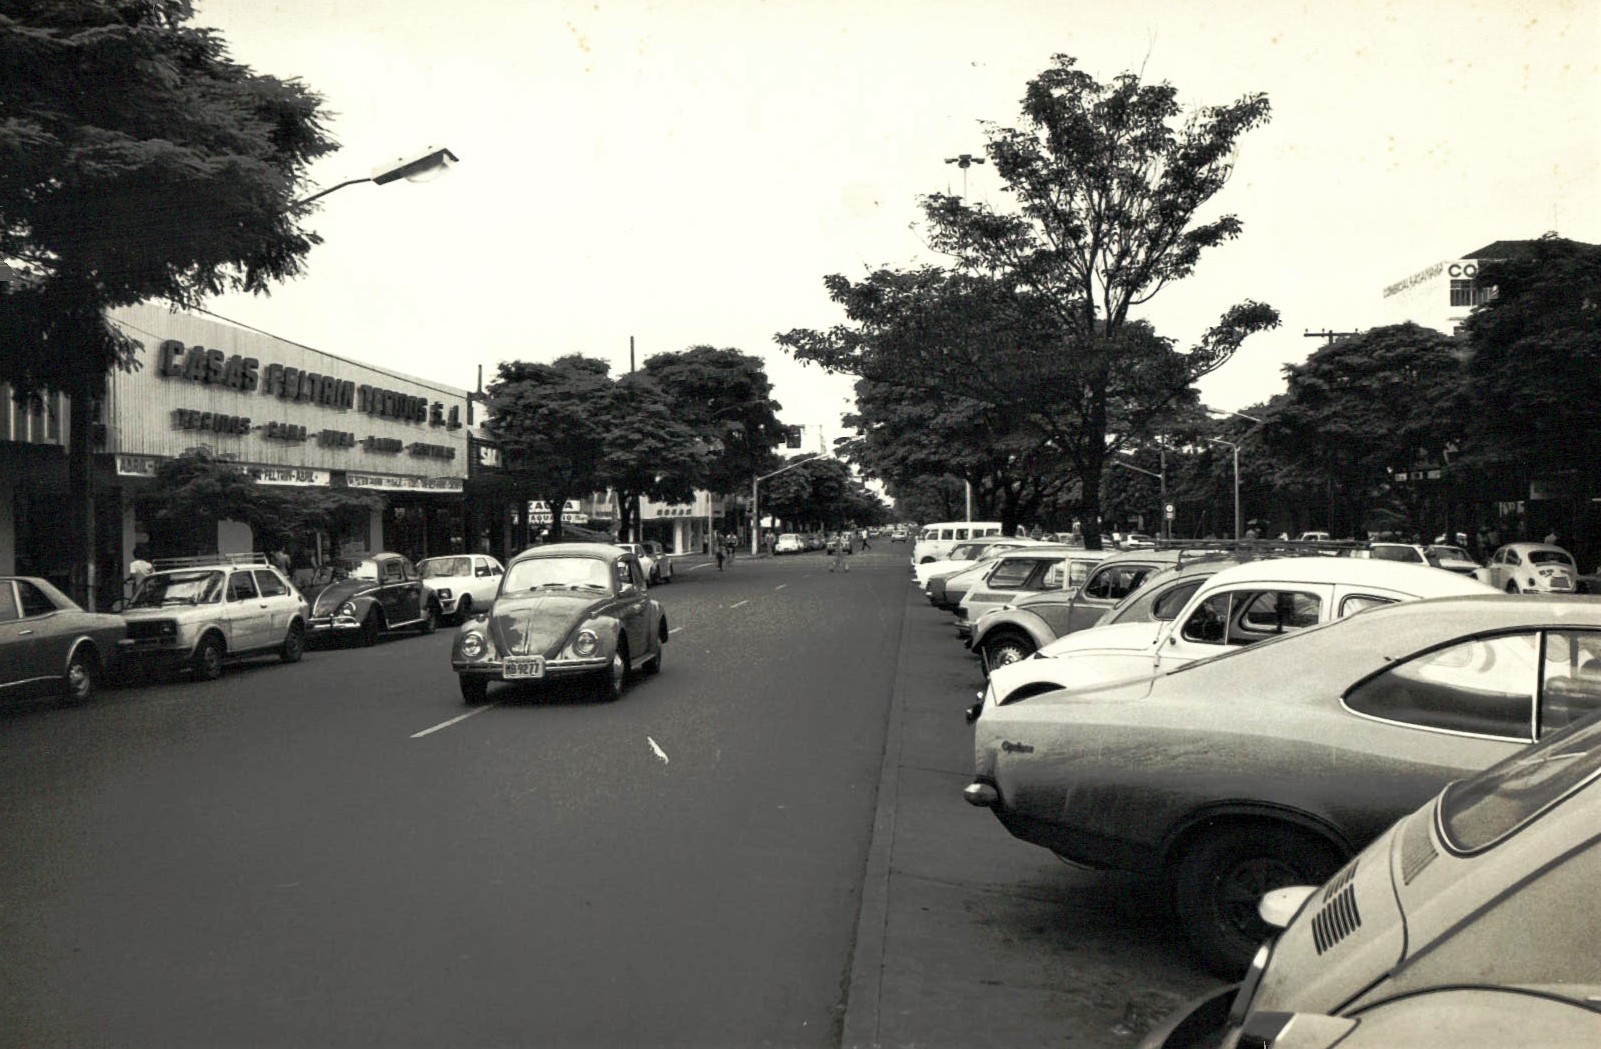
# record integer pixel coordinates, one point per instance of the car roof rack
(161, 564)
(1260, 548)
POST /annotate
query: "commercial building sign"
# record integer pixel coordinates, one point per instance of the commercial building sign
(146, 465)
(1413, 281)
(403, 483)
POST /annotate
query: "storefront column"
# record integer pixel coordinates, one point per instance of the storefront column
(8, 526)
(375, 531)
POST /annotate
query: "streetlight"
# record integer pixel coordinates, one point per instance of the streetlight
(1161, 479)
(1236, 449)
(965, 161)
(421, 168)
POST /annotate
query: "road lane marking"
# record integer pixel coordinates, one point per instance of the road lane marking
(658, 751)
(452, 721)
(780, 586)
(745, 602)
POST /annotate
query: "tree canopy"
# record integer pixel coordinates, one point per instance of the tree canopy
(1033, 316)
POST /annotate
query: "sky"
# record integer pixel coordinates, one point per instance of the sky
(687, 172)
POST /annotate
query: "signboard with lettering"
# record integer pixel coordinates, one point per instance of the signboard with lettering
(402, 483)
(269, 401)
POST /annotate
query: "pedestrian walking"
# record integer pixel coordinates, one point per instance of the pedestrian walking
(842, 549)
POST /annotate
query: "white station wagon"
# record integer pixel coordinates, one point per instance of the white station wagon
(461, 582)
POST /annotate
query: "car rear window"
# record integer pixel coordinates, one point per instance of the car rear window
(1480, 812)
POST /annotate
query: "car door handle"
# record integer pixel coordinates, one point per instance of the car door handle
(1016, 748)
(24, 633)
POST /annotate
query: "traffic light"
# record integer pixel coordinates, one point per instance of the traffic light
(792, 436)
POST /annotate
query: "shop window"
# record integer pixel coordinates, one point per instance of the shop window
(1463, 293)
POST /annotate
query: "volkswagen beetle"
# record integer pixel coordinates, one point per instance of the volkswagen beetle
(563, 611)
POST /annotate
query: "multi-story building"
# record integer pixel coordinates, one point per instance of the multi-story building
(1441, 296)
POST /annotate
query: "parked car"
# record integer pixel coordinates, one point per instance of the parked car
(1237, 606)
(1468, 923)
(1028, 570)
(1313, 537)
(1452, 558)
(47, 642)
(658, 568)
(947, 592)
(898, 534)
(1138, 541)
(964, 556)
(1540, 568)
(363, 598)
(1405, 553)
(935, 540)
(197, 613)
(1270, 765)
(460, 582)
(572, 610)
(1019, 629)
(789, 543)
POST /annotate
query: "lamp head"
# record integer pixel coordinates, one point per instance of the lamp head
(429, 165)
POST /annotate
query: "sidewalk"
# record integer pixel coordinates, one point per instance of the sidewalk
(968, 937)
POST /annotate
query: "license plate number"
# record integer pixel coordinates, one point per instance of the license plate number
(515, 668)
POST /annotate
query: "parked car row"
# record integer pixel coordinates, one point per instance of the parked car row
(1233, 726)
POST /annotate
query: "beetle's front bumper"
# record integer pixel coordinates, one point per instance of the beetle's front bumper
(325, 626)
(1202, 1022)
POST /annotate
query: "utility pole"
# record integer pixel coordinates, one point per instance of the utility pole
(1327, 335)
(639, 526)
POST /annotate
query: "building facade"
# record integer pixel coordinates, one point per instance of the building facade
(290, 416)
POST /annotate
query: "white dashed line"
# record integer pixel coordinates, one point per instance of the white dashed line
(658, 751)
(780, 586)
(452, 721)
(741, 603)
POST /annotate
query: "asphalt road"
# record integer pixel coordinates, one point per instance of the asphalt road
(332, 854)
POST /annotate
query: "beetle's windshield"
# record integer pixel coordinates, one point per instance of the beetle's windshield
(177, 588)
(1476, 813)
(538, 572)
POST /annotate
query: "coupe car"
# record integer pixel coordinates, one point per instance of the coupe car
(1468, 923)
(366, 597)
(1539, 568)
(572, 610)
(461, 582)
(48, 642)
(197, 613)
(1270, 765)
(1237, 606)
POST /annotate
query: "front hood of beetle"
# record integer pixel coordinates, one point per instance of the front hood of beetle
(538, 624)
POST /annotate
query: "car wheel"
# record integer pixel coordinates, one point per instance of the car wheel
(653, 665)
(370, 629)
(1006, 647)
(294, 645)
(926, 561)
(430, 619)
(464, 608)
(208, 658)
(1222, 877)
(82, 672)
(1512, 587)
(474, 690)
(615, 677)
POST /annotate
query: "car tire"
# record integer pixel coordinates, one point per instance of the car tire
(474, 690)
(208, 658)
(1512, 587)
(430, 619)
(294, 645)
(83, 673)
(1220, 880)
(653, 665)
(1006, 646)
(371, 627)
(614, 679)
(464, 608)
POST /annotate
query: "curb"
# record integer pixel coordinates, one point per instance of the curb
(860, 1026)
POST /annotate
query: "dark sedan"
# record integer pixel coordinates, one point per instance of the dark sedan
(48, 642)
(363, 598)
(563, 611)
(1272, 764)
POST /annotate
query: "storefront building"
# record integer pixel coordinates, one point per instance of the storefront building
(292, 416)
(33, 485)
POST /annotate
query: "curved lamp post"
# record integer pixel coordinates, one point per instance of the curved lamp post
(421, 168)
(1236, 451)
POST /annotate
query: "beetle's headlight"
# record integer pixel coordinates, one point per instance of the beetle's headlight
(443, 593)
(347, 609)
(473, 646)
(586, 643)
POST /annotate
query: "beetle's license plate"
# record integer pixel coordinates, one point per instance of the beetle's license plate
(517, 668)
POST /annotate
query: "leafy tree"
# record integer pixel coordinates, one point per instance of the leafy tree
(725, 398)
(551, 421)
(137, 161)
(1108, 182)
(1535, 365)
(648, 450)
(1361, 408)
